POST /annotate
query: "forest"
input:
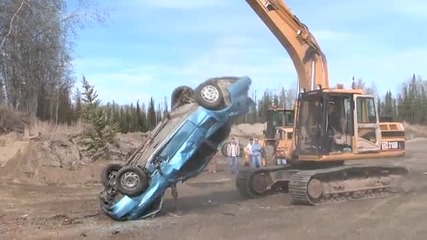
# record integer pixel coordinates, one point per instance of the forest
(410, 105)
(36, 73)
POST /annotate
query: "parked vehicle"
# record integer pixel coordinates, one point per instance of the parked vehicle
(179, 148)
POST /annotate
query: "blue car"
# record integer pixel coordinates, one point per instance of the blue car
(179, 148)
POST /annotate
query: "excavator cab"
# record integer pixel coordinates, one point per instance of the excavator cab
(278, 118)
(336, 122)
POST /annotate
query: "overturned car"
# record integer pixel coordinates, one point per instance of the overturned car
(179, 147)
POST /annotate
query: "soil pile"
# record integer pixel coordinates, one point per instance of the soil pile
(55, 158)
(415, 131)
(248, 130)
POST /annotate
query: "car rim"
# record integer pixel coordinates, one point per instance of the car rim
(209, 93)
(130, 180)
(112, 177)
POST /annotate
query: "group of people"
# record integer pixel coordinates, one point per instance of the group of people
(253, 153)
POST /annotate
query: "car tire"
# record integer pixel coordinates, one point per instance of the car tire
(131, 181)
(181, 96)
(224, 149)
(109, 172)
(209, 95)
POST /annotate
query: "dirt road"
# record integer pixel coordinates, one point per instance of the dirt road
(209, 207)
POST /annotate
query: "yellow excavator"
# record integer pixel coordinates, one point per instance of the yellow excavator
(331, 127)
(277, 134)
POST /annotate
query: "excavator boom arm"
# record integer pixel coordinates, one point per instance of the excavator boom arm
(306, 55)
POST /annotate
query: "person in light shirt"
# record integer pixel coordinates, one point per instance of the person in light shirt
(256, 154)
(248, 150)
(233, 153)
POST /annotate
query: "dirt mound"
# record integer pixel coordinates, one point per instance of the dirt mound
(55, 158)
(415, 131)
(245, 130)
(10, 145)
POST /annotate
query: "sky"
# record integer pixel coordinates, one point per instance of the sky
(149, 47)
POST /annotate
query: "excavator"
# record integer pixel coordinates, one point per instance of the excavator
(277, 134)
(332, 126)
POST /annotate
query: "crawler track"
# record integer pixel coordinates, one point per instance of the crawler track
(257, 182)
(321, 186)
(312, 187)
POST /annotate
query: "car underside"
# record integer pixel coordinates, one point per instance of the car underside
(179, 148)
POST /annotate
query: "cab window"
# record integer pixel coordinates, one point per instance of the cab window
(366, 110)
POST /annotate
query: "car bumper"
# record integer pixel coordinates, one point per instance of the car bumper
(128, 208)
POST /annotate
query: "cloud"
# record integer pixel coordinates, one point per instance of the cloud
(134, 78)
(184, 5)
(240, 56)
(121, 82)
(121, 95)
(388, 70)
(116, 70)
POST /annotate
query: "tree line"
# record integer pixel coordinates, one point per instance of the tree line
(409, 105)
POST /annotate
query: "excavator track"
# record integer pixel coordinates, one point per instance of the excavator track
(257, 182)
(313, 187)
(324, 185)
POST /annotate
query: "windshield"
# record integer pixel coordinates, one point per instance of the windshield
(310, 122)
(178, 139)
(177, 117)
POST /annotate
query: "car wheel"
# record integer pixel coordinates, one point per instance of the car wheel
(180, 96)
(224, 149)
(109, 174)
(131, 181)
(209, 95)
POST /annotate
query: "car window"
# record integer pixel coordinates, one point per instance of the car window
(177, 117)
(179, 138)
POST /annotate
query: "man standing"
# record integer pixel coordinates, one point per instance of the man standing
(334, 126)
(256, 154)
(248, 150)
(334, 118)
(233, 152)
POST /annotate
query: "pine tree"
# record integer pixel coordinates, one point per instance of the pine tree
(139, 123)
(151, 115)
(99, 129)
(166, 108)
(77, 105)
(144, 118)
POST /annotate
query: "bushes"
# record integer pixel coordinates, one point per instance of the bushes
(10, 121)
